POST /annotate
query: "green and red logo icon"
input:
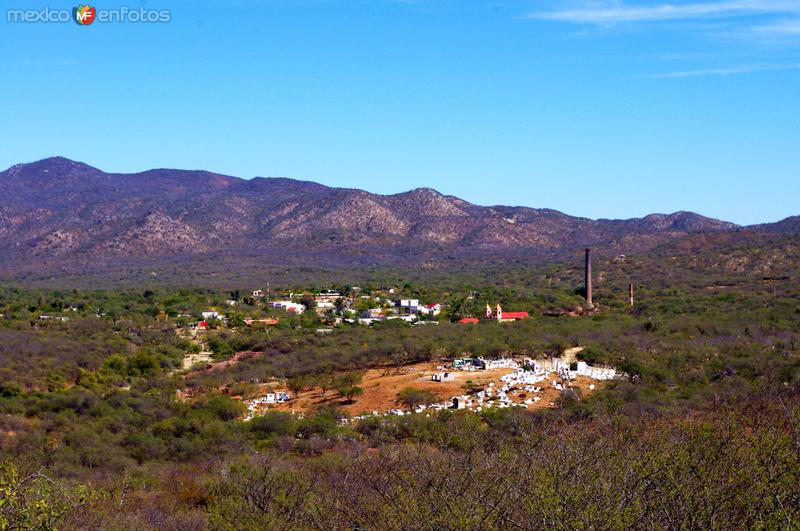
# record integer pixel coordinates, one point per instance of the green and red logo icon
(84, 15)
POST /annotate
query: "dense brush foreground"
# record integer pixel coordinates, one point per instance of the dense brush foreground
(702, 433)
(735, 469)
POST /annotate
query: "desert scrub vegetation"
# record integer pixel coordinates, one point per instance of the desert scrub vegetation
(703, 431)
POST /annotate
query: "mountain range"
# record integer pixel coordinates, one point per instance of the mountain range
(57, 214)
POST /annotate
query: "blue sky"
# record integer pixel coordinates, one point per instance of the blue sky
(601, 109)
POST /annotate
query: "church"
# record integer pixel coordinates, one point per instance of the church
(503, 317)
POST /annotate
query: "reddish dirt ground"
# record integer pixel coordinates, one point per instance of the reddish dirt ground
(382, 385)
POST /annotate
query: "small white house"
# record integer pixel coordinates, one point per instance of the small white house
(327, 296)
(289, 306)
(412, 305)
(372, 313)
(431, 309)
(210, 315)
(258, 294)
(443, 377)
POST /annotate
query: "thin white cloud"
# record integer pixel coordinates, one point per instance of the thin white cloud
(617, 13)
(785, 28)
(731, 71)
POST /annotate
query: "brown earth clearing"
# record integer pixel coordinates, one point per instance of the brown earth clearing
(381, 386)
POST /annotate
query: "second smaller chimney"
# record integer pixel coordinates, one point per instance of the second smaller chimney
(630, 294)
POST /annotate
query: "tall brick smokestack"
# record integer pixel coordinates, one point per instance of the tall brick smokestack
(588, 279)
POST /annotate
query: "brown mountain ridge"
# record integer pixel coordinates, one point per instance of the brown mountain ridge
(57, 213)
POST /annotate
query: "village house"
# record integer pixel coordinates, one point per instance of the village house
(443, 377)
(409, 305)
(258, 294)
(325, 305)
(430, 309)
(372, 313)
(288, 306)
(210, 315)
(327, 297)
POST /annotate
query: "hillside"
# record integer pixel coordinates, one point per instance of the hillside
(58, 215)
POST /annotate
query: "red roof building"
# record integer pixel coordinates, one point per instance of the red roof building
(468, 320)
(504, 317)
(432, 309)
(513, 316)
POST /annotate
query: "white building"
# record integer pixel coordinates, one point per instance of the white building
(412, 305)
(430, 309)
(289, 306)
(372, 313)
(327, 296)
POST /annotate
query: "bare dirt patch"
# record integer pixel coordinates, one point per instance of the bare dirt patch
(382, 385)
